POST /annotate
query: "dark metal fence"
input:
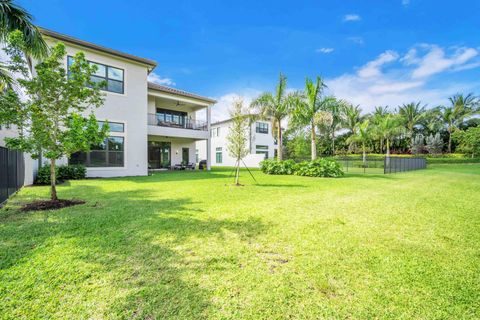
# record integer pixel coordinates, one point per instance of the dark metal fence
(12, 172)
(357, 165)
(401, 164)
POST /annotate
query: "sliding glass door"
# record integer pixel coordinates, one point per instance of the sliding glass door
(159, 154)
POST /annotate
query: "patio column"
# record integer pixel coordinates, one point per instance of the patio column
(209, 141)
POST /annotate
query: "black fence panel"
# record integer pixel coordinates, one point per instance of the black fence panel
(402, 164)
(354, 164)
(12, 172)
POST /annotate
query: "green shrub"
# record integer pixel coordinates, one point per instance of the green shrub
(62, 173)
(319, 168)
(277, 167)
(72, 172)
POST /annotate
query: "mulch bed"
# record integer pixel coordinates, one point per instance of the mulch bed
(51, 205)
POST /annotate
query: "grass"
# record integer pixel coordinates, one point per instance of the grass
(188, 245)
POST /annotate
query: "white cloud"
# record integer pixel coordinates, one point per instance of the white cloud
(436, 60)
(357, 40)
(156, 78)
(373, 68)
(325, 50)
(389, 80)
(351, 17)
(224, 103)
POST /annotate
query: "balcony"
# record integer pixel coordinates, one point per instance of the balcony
(177, 122)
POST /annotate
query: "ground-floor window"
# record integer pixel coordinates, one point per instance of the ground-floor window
(159, 154)
(262, 150)
(109, 153)
(218, 155)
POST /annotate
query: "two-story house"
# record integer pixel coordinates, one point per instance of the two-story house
(151, 126)
(261, 144)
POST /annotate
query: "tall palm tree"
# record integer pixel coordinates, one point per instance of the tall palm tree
(378, 114)
(412, 114)
(432, 121)
(14, 17)
(275, 107)
(351, 117)
(461, 107)
(335, 120)
(388, 128)
(309, 107)
(362, 135)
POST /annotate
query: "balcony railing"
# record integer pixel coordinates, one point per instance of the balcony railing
(181, 122)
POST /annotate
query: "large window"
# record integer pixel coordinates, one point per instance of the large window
(113, 126)
(218, 155)
(171, 117)
(262, 150)
(113, 77)
(109, 153)
(261, 127)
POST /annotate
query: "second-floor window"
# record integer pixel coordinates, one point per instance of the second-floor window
(261, 127)
(113, 77)
(215, 132)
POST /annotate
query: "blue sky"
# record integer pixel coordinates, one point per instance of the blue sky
(376, 52)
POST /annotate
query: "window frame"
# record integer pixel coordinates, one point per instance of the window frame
(218, 155)
(106, 78)
(261, 127)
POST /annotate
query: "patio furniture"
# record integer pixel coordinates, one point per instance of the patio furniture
(178, 167)
(190, 166)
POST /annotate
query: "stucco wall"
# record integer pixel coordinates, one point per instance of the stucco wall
(129, 108)
(251, 160)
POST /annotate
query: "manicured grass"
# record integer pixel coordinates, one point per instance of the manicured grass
(187, 245)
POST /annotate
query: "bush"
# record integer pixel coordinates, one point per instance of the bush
(72, 172)
(319, 168)
(68, 172)
(277, 167)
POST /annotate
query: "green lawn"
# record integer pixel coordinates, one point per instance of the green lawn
(187, 245)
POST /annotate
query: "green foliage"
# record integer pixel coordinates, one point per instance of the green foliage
(66, 172)
(52, 120)
(468, 140)
(319, 168)
(434, 144)
(418, 145)
(271, 166)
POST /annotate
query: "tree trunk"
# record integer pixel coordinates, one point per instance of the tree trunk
(279, 142)
(364, 155)
(314, 145)
(333, 143)
(449, 141)
(388, 153)
(53, 191)
(237, 174)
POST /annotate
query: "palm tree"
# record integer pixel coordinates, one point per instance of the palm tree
(362, 135)
(275, 107)
(14, 17)
(310, 107)
(461, 107)
(376, 117)
(412, 115)
(351, 116)
(388, 128)
(335, 119)
(432, 121)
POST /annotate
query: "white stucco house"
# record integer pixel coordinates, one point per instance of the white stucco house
(152, 126)
(261, 144)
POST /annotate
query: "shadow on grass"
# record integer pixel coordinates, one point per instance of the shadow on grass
(280, 185)
(134, 236)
